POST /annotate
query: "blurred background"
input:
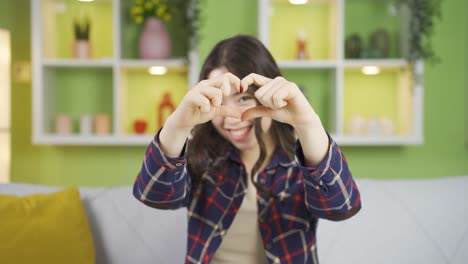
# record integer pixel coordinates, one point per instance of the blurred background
(82, 88)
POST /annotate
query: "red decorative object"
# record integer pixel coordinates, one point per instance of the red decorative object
(166, 103)
(140, 126)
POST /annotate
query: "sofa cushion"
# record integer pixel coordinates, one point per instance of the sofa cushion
(45, 228)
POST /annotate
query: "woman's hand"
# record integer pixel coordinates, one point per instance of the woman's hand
(280, 100)
(204, 101)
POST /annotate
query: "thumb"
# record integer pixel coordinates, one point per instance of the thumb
(258, 111)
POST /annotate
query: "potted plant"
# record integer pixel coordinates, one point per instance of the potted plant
(154, 39)
(82, 47)
(422, 15)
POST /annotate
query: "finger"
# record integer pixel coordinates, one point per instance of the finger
(226, 87)
(227, 111)
(253, 78)
(214, 94)
(277, 94)
(258, 111)
(227, 78)
(265, 94)
(260, 93)
(279, 98)
(202, 102)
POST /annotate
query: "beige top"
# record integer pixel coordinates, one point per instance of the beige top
(242, 242)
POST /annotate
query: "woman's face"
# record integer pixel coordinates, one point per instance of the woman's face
(240, 133)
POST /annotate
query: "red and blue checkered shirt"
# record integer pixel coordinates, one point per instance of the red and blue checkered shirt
(287, 219)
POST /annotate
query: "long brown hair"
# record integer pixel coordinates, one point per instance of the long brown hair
(240, 55)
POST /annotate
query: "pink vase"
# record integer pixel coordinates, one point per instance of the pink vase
(155, 42)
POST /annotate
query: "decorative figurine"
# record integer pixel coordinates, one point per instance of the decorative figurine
(301, 45)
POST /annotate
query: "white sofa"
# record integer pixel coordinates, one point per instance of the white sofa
(402, 221)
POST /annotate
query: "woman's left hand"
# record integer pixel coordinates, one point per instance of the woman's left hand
(280, 100)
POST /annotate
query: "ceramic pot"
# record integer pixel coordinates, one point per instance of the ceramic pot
(82, 49)
(155, 42)
(102, 124)
(63, 124)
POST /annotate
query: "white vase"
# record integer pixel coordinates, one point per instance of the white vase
(86, 125)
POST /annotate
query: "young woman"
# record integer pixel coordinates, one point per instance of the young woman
(259, 169)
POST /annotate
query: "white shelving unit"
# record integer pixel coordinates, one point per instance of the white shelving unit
(112, 66)
(408, 95)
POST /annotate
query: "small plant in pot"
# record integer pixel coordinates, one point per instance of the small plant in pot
(82, 48)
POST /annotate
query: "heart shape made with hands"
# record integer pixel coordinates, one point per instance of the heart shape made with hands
(276, 97)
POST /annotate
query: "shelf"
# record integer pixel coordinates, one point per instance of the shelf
(376, 141)
(384, 63)
(172, 63)
(113, 84)
(113, 140)
(384, 101)
(77, 63)
(307, 64)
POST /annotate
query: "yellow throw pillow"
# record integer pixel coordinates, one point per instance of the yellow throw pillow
(45, 228)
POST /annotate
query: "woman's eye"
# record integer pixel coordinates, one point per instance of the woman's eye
(245, 98)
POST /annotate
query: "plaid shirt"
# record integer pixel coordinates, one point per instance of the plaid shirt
(287, 221)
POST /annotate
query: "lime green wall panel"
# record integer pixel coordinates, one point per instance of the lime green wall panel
(444, 152)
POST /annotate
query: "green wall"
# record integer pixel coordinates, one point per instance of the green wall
(444, 152)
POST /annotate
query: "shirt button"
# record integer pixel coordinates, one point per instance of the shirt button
(223, 233)
(262, 181)
(277, 260)
(178, 164)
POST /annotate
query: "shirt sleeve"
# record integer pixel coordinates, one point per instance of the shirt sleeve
(163, 181)
(329, 188)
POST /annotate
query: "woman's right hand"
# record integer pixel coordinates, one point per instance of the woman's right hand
(204, 101)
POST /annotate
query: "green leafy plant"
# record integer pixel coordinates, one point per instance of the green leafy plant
(82, 28)
(162, 9)
(423, 14)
